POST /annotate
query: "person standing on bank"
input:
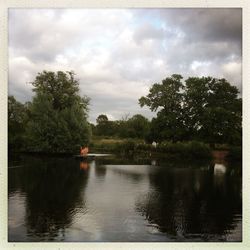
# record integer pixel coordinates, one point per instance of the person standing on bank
(84, 151)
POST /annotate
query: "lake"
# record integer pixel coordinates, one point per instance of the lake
(122, 200)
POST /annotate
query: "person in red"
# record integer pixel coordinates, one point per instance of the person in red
(84, 151)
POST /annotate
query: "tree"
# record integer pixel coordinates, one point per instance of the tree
(58, 115)
(226, 108)
(103, 126)
(204, 108)
(213, 110)
(137, 126)
(102, 119)
(17, 119)
(195, 101)
(62, 87)
(167, 97)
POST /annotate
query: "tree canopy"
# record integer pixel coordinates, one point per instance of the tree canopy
(58, 114)
(201, 108)
(167, 97)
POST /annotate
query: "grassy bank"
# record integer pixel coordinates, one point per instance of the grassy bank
(190, 149)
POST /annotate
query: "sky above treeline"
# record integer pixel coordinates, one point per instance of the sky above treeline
(117, 54)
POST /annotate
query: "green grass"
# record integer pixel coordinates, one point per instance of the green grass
(190, 149)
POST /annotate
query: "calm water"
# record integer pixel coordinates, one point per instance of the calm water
(110, 199)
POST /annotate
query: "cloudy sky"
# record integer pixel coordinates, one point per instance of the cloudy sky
(117, 54)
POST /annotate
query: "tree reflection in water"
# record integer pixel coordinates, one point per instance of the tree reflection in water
(54, 199)
(53, 190)
(193, 203)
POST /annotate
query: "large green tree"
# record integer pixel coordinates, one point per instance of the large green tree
(225, 107)
(213, 110)
(58, 114)
(166, 98)
(202, 108)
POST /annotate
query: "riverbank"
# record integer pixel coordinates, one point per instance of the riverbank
(185, 150)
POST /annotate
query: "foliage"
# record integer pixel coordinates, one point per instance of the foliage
(204, 108)
(213, 110)
(104, 126)
(121, 146)
(58, 115)
(166, 97)
(135, 127)
(17, 119)
(101, 119)
(191, 149)
(61, 86)
(198, 109)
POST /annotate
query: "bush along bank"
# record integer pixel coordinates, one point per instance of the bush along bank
(192, 149)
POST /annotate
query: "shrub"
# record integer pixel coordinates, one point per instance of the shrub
(192, 149)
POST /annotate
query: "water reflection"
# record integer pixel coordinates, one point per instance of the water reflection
(153, 162)
(219, 169)
(110, 199)
(84, 165)
(100, 170)
(187, 204)
(54, 193)
(219, 177)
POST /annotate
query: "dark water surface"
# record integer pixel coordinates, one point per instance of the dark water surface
(110, 199)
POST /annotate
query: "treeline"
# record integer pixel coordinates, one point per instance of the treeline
(202, 109)
(136, 127)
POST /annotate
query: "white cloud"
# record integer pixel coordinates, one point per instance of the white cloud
(118, 54)
(232, 72)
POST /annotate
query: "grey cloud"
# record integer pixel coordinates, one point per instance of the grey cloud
(147, 31)
(118, 54)
(38, 34)
(184, 53)
(22, 94)
(27, 27)
(204, 34)
(42, 34)
(210, 24)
